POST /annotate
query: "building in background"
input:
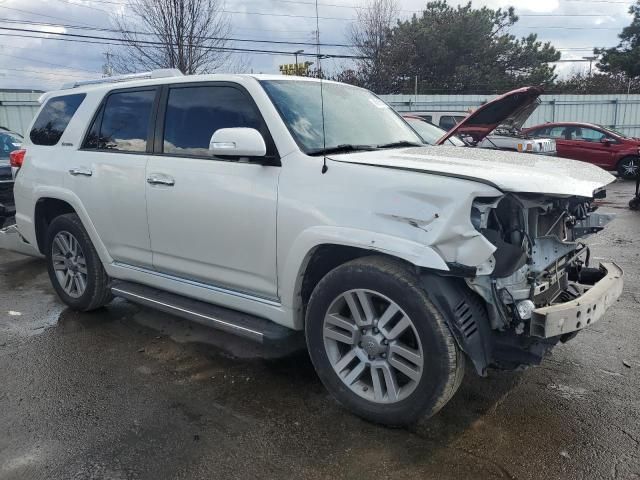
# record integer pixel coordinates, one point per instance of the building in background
(17, 108)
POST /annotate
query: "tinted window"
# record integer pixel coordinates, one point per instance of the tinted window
(125, 123)
(8, 143)
(54, 118)
(449, 121)
(195, 113)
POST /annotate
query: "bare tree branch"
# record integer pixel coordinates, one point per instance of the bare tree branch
(191, 36)
(370, 35)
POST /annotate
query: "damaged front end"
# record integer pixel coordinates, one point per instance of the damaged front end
(538, 286)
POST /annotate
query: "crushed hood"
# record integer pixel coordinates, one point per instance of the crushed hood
(509, 111)
(508, 171)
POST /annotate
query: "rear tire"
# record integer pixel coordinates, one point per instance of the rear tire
(75, 270)
(629, 167)
(411, 352)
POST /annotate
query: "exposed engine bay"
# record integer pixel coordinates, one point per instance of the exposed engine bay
(539, 260)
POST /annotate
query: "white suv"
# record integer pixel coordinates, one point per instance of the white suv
(270, 205)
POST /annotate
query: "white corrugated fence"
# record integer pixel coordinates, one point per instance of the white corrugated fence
(621, 112)
(17, 109)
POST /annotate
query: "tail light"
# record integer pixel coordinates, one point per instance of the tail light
(17, 157)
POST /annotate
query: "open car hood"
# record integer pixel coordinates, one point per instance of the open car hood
(510, 110)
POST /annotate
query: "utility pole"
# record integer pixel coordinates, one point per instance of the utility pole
(415, 88)
(590, 59)
(296, 55)
(107, 68)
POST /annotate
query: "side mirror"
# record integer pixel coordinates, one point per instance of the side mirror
(237, 142)
(605, 141)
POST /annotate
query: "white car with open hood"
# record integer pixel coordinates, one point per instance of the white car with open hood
(496, 125)
(239, 202)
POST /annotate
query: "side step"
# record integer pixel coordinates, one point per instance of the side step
(242, 324)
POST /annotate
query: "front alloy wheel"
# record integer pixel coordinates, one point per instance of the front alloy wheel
(379, 344)
(373, 346)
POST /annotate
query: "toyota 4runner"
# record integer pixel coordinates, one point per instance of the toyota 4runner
(268, 206)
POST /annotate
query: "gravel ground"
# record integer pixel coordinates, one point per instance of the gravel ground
(129, 393)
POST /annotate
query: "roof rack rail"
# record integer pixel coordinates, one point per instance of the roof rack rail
(160, 73)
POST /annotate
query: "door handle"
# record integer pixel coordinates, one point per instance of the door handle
(160, 179)
(81, 171)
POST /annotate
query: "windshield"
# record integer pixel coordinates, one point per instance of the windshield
(8, 143)
(614, 132)
(430, 133)
(352, 116)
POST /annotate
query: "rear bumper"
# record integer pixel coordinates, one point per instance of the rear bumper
(585, 310)
(10, 239)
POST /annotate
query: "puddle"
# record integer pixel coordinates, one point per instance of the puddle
(565, 391)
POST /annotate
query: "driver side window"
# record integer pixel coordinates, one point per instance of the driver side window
(589, 135)
(194, 113)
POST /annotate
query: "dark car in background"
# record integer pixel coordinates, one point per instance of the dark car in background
(9, 142)
(595, 144)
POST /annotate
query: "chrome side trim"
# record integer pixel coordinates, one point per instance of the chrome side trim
(272, 301)
(190, 314)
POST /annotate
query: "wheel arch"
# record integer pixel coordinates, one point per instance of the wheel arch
(49, 205)
(314, 259)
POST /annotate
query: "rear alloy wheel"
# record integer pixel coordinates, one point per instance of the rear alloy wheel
(75, 269)
(379, 344)
(629, 167)
(69, 264)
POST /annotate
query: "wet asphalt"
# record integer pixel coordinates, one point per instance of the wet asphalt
(129, 393)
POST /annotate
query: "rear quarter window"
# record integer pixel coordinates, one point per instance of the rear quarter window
(54, 118)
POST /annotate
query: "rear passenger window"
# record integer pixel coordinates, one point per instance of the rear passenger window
(195, 113)
(54, 118)
(124, 122)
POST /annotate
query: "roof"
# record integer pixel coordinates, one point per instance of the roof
(573, 124)
(221, 77)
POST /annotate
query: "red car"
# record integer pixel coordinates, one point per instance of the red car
(595, 144)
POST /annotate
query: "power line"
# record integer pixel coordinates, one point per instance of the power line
(119, 41)
(45, 73)
(112, 30)
(20, 57)
(30, 12)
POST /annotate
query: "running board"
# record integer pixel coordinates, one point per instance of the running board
(242, 324)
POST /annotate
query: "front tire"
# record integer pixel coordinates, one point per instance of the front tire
(75, 270)
(378, 343)
(629, 167)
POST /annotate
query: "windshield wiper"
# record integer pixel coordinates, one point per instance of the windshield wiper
(345, 147)
(403, 143)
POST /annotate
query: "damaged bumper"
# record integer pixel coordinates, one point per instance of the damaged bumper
(602, 287)
(10, 239)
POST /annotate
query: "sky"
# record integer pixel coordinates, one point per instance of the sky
(573, 26)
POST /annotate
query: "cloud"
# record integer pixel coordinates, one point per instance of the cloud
(47, 64)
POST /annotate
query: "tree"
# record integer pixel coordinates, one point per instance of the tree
(370, 35)
(461, 49)
(598, 83)
(190, 35)
(625, 58)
